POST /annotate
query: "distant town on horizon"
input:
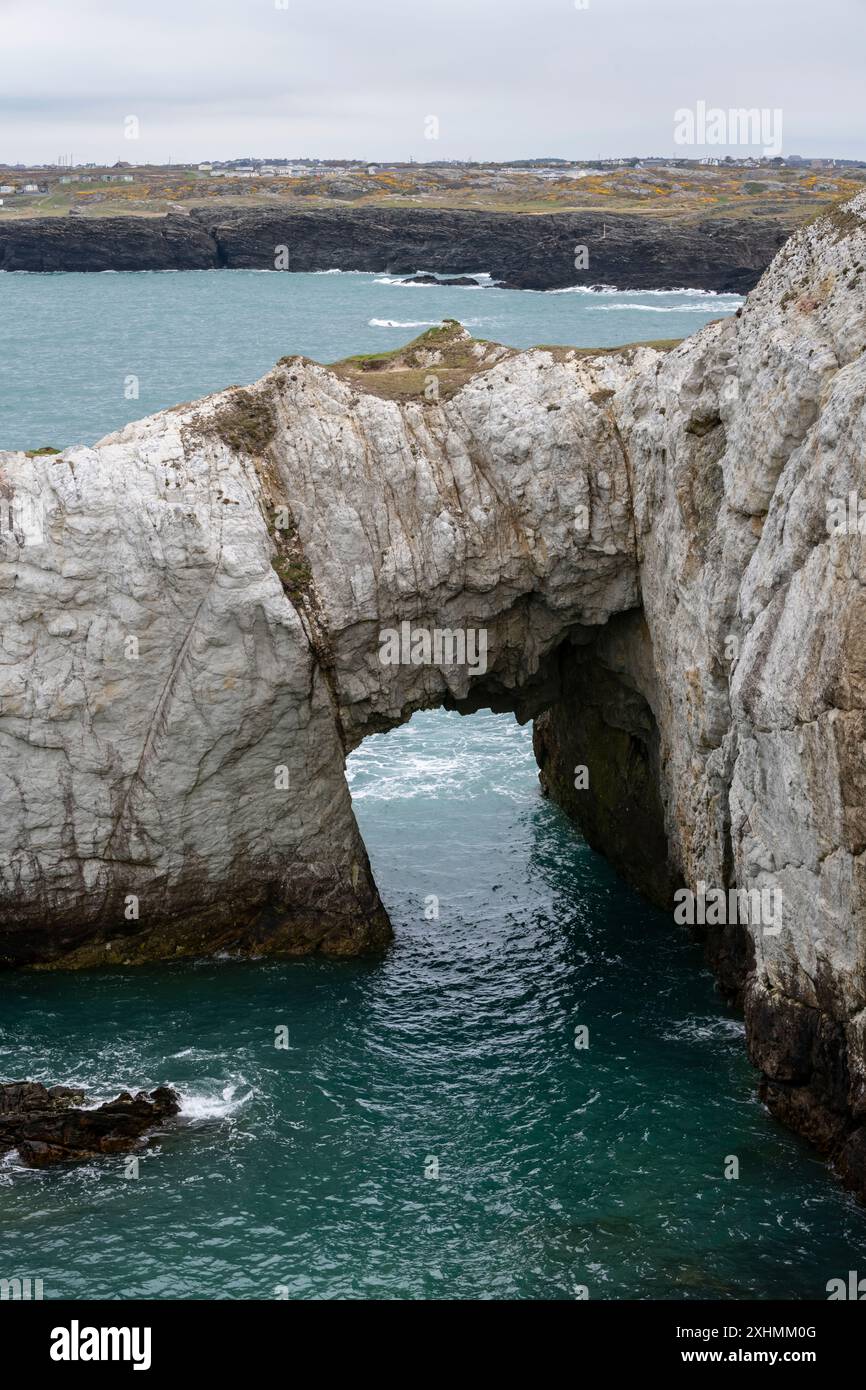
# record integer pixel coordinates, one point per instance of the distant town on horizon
(786, 187)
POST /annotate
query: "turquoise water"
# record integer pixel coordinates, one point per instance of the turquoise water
(185, 333)
(304, 1169)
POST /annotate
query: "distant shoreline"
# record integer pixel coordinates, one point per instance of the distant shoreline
(521, 251)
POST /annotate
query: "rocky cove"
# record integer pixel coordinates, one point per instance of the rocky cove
(524, 251)
(641, 534)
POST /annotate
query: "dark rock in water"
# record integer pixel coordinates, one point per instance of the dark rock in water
(458, 280)
(47, 1126)
(25, 1097)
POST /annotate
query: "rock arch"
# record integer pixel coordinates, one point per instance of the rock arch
(202, 625)
(192, 630)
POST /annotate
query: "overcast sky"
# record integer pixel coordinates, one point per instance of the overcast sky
(505, 79)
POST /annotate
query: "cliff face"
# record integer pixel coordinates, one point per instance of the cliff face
(198, 634)
(524, 251)
(106, 243)
(751, 654)
(194, 617)
(794, 758)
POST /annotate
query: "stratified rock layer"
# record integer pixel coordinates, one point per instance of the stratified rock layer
(192, 632)
(525, 251)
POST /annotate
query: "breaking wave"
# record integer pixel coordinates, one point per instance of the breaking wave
(218, 1103)
(403, 323)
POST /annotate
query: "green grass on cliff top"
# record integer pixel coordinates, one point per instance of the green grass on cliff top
(402, 373)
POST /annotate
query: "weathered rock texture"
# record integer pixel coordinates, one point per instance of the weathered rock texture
(192, 645)
(751, 655)
(47, 1126)
(526, 251)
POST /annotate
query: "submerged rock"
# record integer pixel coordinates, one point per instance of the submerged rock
(47, 1126)
(198, 612)
(462, 281)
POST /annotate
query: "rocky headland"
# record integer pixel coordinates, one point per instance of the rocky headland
(193, 615)
(521, 250)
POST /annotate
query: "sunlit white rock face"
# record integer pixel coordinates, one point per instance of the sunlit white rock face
(192, 639)
(154, 677)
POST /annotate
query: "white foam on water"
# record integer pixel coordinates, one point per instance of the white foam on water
(581, 289)
(706, 1029)
(728, 295)
(213, 1104)
(697, 294)
(404, 323)
(414, 764)
(660, 309)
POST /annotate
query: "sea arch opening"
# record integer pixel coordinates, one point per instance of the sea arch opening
(580, 726)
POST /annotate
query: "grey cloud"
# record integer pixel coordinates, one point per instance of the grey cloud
(506, 78)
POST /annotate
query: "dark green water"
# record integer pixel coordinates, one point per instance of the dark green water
(304, 1169)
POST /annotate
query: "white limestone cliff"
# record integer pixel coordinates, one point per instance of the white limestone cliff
(191, 643)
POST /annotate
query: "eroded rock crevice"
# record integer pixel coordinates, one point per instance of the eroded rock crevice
(598, 750)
